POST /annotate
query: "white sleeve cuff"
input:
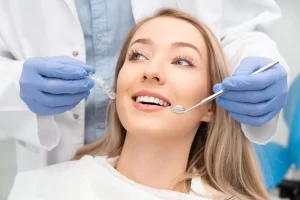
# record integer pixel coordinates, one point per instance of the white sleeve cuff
(48, 132)
(262, 134)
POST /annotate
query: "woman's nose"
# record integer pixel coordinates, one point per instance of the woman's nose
(154, 72)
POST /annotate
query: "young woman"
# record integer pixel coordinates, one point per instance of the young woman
(150, 152)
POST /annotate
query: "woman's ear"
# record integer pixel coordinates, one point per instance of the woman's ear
(207, 115)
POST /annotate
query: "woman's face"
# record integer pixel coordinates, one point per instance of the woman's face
(166, 65)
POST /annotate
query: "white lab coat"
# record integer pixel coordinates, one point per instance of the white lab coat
(51, 28)
(93, 179)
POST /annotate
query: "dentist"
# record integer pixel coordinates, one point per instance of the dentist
(51, 109)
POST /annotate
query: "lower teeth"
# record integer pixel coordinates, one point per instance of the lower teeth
(151, 104)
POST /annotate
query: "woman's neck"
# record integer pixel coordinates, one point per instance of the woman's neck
(153, 163)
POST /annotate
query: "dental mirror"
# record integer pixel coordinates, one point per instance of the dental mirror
(178, 109)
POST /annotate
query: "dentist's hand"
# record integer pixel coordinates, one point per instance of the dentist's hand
(254, 99)
(53, 85)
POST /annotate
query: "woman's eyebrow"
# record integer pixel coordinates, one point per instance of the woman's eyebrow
(148, 41)
(185, 44)
(142, 41)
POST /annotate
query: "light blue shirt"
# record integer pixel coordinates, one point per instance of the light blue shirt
(105, 24)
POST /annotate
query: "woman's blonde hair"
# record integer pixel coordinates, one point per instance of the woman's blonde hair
(220, 154)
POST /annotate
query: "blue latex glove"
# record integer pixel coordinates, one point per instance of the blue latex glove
(254, 99)
(54, 85)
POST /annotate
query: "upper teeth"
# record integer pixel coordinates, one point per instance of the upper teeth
(147, 99)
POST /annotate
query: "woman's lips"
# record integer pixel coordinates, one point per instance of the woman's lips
(151, 94)
(148, 107)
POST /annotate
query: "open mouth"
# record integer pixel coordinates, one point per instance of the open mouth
(148, 100)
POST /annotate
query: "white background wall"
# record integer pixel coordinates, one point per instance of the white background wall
(286, 32)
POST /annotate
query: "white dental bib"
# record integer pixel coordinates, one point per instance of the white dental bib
(92, 178)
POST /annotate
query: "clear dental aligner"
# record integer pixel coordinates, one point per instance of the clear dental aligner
(109, 92)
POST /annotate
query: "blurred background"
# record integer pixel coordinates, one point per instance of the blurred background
(287, 34)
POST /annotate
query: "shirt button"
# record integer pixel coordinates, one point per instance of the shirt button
(102, 125)
(75, 53)
(99, 36)
(75, 116)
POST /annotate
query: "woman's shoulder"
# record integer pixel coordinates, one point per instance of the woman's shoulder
(60, 170)
(57, 178)
(201, 187)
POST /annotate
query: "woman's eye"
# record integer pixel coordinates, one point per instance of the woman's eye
(138, 56)
(182, 62)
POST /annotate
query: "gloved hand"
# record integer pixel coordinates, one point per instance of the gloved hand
(254, 99)
(53, 85)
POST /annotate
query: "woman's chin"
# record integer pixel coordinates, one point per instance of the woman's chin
(155, 129)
